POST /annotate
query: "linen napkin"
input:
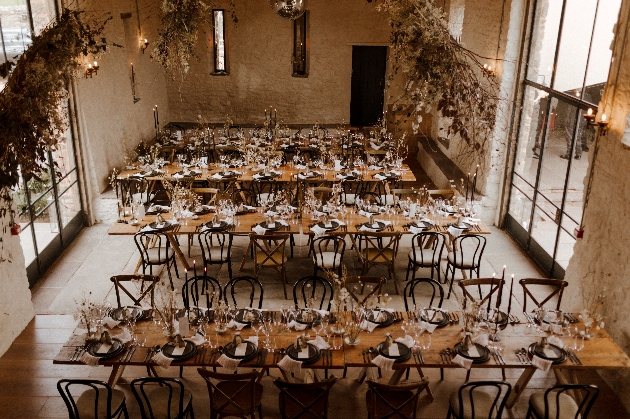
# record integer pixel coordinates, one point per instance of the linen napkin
(384, 222)
(481, 339)
(217, 176)
(427, 221)
(296, 326)
(455, 232)
(472, 221)
(236, 325)
(375, 147)
(228, 363)
(430, 328)
(178, 176)
(90, 360)
(341, 223)
(407, 341)
(383, 363)
(197, 339)
(319, 231)
(252, 339)
(290, 365)
(282, 222)
(541, 364)
(162, 360)
(110, 322)
(300, 166)
(320, 343)
(124, 336)
(555, 340)
(369, 326)
(379, 177)
(365, 228)
(260, 230)
(415, 230)
(465, 363)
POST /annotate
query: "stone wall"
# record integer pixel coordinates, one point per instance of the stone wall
(599, 260)
(259, 63)
(16, 308)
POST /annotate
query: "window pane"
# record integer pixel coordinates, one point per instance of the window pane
(530, 138)
(66, 182)
(70, 204)
(43, 13)
(15, 28)
(46, 225)
(63, 156)
(520, 207)
(544, 227)
(577, 26)
(28, 247)
(575, 188)
(219, 41)
(544, 39)
(566, 242)
(601, 54)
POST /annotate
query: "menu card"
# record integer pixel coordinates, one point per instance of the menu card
(393, 350)
(104, 348)
(241, 349)
(304, 353)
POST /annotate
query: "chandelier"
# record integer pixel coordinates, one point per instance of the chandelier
(289, 9)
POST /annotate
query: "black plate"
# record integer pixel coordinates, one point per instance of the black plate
(245, 211)
(203, 210)
(313, 352)
(241, 313)
(316, 318)
(117, 314)
(222, 226)
(503, 318)
(484, 353)
(278, 226)
(266, 177)
(335, 225)
(534, 349)
(421, 224)
(229, 175)
(167, 226)
(462, 226)
(313, 176)
(403, 350)
(381, 226)
(389, 176)
(189, 351)
(117, 348)
(445, 319)
(250, 352)
(389, 318)
(155, 210)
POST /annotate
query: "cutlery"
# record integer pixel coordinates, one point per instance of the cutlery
(371, 352)
(149, 355)
(76, 351)
(363, 352)
(501, 357)
(525, 357)
(518, 355)
(130, 352)
(420, 356)
(574, 358)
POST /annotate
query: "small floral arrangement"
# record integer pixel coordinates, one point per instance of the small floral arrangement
(591, 314)
(166, 307)
(86, 313)
(342, 300)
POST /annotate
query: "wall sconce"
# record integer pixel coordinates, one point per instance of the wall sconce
(590, 117)
(488, 69)
(603, 125)
(91, 69)
(144, 45)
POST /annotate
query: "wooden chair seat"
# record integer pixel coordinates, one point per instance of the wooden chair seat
(87, 400)
(568, 407)
(159, 399)
(484, 404)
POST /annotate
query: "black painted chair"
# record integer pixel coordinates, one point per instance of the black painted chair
(237, 285)
(162, 398)
(479, 400)
(313, 287)
(97, 400)
(557, 403)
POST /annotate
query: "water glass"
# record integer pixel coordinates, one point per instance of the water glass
(425, 341)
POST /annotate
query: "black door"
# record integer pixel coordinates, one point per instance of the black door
(368, 82)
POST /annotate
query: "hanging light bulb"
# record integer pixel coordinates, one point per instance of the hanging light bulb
(289, 9)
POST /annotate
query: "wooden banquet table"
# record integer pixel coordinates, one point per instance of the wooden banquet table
(599, 353)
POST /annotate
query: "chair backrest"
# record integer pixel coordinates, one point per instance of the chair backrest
(377, 247)
(550, 288)
(101, 390)
(243, 196)
(495, 289)
(468, 247)
(134, 187)
(401, 193)
(427, 240)
(151, 240)
(199, 289)
(394, 401)
(356, 286)
(159, 197)
(322, 192)
(216, 246)
(371, 197)
(235, 286)
(171, 393)
(265, 189)
(147, 287)
(231, 392)
(208, 194)
(305, 401)
(499, 391)
(441, 193)
(335, 244)
(313, 288)
(554, 405)
(410, 292)
(269, 246)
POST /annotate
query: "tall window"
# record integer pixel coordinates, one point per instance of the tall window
(218, 21)
(567, 69)
(299, 46)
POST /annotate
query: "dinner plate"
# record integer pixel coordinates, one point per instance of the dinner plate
(313, 354)
(316, 317)
(189, 351)
(333, 225)
(266, 177)
(403, 350)
(440, 318)
(228, 175)
(116, 348)
(537, 350)
(381, 226)
(223, 225)
(462, 226)
(276, 227)
(166, 226)
(244, 318)
(312, 174)
(388, 318)
(134, 312)
(484, 353)
(204, 209)
(250, 352)
(503, 318)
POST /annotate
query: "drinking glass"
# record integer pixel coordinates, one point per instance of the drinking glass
(425, 341)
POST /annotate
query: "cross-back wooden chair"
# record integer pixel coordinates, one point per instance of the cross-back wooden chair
(394, 401)
(147, 287)
(269, 253)
(441, 193)
(380, 249)
(208, 195)
(304, 401)
(402, 193)
(550, 287)
(495, 290)
(237, 395)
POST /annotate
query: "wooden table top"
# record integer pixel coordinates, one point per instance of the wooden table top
(600, 352)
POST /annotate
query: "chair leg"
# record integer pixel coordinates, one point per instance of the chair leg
(392, 275)
(407, 374)
(408, 267)
(181, 372)
(450, 287)
(170, 278)
(441, 374)
(284, 282)
(467, 376)
(124, 411)
(260, 411)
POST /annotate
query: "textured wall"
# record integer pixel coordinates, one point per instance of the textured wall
(599, 260)
(259, 61)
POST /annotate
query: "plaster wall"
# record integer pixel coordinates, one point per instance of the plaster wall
(259, 54)
(599, 260)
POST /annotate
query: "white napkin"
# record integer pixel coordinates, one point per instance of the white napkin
(146, 229)
(455, 232)
(296, 326)
(375, 147)
(124, 336)
(300, 166)
(187, 214)
(341, 223)
(407, 341)
(369, 326)
(252, 339)
(541, 364)
(228, 363)
(197, 339)
(379, 177)
(365, 228)
(319, 231)
(555, 340)
(109, 322)
(383, 363)
(322, 312)
(320, 342)
(217, 176)
(178, 176)
(384, 222)
(260, 230)
(236, 325)
(472, 221)
(465, 363)
(90, 360)
(282, 222)
(481, 339)
(374, 167)
(429, 327)
(162, 360)
(426, 220)
(290, 365)
(415, 230)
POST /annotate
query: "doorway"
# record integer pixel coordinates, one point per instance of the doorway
(368, 83)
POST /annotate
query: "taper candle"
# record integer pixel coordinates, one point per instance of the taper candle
(510, 302)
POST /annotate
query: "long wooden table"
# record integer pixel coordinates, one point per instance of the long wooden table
(599, 353)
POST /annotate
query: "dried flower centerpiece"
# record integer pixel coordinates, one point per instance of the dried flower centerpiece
(87, 314)
(591, 315)
(166, 307)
